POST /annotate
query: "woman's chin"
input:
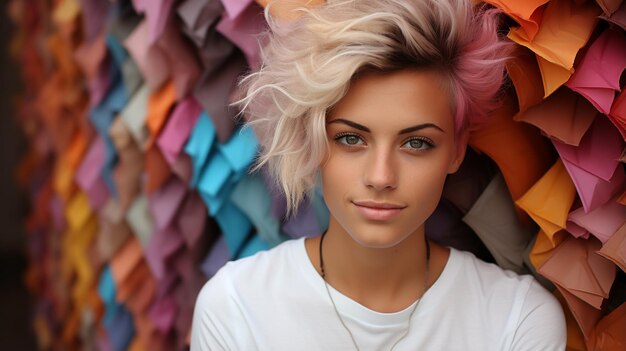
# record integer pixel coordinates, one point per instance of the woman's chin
(379, 239)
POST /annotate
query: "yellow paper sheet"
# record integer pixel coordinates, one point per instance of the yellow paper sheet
(544, 245)
(553, 75)
(78, 211)
(66, 10)
(548, 202)
(63, 181)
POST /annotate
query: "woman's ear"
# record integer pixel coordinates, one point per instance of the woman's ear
(460, 148)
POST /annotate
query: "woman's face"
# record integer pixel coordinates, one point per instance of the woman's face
(391, 146)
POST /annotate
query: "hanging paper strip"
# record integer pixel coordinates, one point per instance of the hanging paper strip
(138, 165)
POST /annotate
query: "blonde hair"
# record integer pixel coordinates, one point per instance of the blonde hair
(308, 64)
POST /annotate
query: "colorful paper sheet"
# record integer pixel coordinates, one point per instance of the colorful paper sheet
(598, 73)
(565, 28)
(548, 202)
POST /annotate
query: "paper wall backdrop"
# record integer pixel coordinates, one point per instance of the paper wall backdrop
(137, 165)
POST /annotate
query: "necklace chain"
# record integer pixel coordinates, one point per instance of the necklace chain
(406, 331)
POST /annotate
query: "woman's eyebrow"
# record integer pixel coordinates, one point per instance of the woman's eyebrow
(403, 131)
(420, 126)
(351, 124)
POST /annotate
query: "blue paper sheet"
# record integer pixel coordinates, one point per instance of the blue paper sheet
(199, 144)
(252, 198)
(121, 331)
(235, 227)
(215, 203)
(106, 291)
(117, 50)
(102, 116)
(254, 245)
(240, 149)
(214, 176)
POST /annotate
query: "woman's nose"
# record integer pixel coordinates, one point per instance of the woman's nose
(380, 171)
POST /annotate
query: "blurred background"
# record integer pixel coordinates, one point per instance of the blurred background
(16, 302)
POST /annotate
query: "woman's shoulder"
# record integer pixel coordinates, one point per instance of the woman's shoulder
(517, 301)
(498, 283)
(471, 266)
(494, 282)
(236, 291)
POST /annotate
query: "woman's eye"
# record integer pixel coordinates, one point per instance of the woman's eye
(418, 144)
(350, 139)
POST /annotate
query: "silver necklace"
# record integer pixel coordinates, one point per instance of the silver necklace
(408, 327)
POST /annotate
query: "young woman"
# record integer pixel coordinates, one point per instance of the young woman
(373, 99)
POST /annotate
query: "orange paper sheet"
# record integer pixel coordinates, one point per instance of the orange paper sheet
(609, 333)
(565, 29)
(548, 202)
(527, 13)
(615, 248)
(126, 260)
(526, 156)
(524, 72)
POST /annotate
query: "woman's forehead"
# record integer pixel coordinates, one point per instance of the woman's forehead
(396, 99)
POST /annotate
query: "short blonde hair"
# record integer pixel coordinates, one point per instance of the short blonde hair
(308, 64)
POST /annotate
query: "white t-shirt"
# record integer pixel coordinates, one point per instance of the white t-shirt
(276, 300)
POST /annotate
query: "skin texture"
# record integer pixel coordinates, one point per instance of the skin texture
(391, 144)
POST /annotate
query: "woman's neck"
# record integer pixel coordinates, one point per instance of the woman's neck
(382, 279)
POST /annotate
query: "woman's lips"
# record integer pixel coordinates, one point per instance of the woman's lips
(375, 211)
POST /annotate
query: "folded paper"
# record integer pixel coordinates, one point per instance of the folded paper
(165, 202)
(527, 13)
(618, 114)
(564, 116)
(140, 220)
(252, 198)
(494, 220)
(598, 73)
(181, 58)
(526, 156)
(199, 144)
(242, 25)
(618, 17)
(548, 201)
(524, 72)
(235, 227)
(565, 28)
(615, 248)
(586, 275)
(602, 222)
(178, 128)
(198, 16)
(150, 59)
(157, 13)
(609, 6)
(597, 178)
